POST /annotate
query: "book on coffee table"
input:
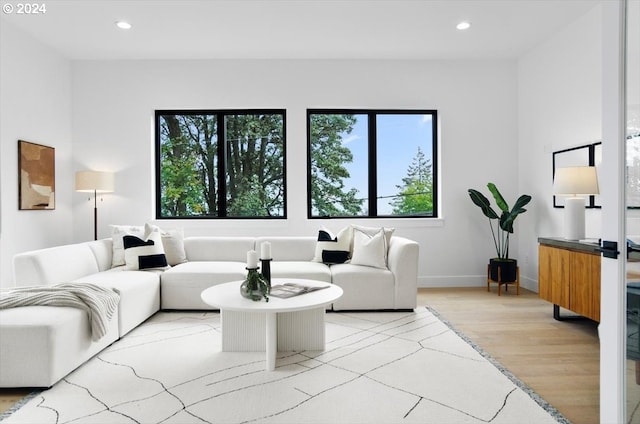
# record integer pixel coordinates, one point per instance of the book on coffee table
(286, 290)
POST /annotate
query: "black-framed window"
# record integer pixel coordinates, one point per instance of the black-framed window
(220, 163)
(372, 163)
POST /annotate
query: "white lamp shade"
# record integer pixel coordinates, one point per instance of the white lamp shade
(100, 182)
(576, 181)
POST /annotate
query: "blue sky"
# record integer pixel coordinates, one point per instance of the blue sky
(398, 139)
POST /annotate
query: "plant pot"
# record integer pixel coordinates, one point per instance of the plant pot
(508, 270)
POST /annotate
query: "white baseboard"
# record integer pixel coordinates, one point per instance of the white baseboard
(529, 284)
(453, 281)
(445, 281)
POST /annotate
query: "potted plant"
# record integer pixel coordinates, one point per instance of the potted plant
(502, 231)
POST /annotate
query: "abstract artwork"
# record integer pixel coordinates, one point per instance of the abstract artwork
(37, 179)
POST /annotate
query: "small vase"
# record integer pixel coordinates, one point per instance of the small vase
(255, 287)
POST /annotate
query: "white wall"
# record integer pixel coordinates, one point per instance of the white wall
(559, 106)
(113, 105)
(35, 106)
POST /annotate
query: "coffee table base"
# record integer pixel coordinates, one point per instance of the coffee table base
(271, 332)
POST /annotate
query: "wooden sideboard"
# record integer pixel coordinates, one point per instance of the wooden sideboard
(569, 276)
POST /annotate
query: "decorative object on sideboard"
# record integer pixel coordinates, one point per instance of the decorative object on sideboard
(95, 182)
(265, 261)
(576, 182)
(37, 179)
(502, 268)
(255, 286)
(574, 156)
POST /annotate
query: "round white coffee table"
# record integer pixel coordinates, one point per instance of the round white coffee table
(292, 324)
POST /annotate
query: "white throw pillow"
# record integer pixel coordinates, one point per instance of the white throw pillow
(333, 249)
(172, 242)
(117, 233)
(388, 233)
(144, 254)
(369, 250)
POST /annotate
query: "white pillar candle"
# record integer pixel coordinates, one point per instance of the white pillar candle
(252, 259)
(265, 250)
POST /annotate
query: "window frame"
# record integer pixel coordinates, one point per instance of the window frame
(372, 162)
(221, 175)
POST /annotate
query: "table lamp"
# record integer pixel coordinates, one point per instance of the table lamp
(96, 182)
(576, 182)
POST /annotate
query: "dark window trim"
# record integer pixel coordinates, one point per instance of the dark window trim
(222, 194)
(372, 159)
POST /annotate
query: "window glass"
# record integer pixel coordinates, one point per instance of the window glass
(338, 164)
(255, 165)
(372, 163)
(404, 165)
(198, 176)
(188, 165)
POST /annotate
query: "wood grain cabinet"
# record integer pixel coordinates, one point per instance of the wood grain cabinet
(569, 276)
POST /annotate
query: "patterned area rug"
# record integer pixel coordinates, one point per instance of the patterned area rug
(376, 368)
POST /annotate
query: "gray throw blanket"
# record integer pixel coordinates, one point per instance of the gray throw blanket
(100, 303)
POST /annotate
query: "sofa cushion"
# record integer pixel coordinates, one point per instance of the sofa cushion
(285, 248)
(144, 254)
(388, 233)
(232, 249)
(333, 249)
(364, 287)
(117, 234)
(301, 269)
(103, 251)
(172, 242)
(41, 344)
(182, 285)
(54, 265)
(139, 294)
(369, 249)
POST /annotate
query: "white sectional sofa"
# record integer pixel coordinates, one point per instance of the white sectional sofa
(39, 345)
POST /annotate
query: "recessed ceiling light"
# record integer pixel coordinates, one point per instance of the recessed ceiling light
(123, 25)
(463, 25)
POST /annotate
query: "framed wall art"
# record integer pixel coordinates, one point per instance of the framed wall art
(596, 161)
(587, 155)
(37, 176)
(591, 155)
(576, 156)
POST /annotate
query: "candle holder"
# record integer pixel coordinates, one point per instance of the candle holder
(266, 270)
(255, 286)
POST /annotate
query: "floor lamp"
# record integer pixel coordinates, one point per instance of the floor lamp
(96, 182)
(576, 182)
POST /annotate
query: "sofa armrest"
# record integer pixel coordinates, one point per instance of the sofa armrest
(403, 263)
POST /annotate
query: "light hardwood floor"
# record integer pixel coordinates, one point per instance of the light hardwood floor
(10, 396)
(559, 360)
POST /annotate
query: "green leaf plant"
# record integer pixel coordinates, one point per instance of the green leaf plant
(505, 220)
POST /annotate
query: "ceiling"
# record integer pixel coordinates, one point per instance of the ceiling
(294, 29)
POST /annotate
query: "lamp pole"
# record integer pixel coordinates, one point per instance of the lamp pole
(95, 214)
